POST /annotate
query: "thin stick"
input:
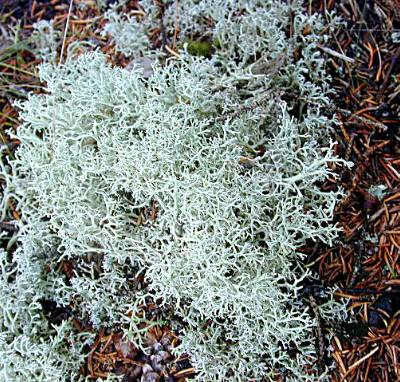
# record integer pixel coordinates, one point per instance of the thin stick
(361, 360)
(53, 121)
(65, 31)
(176, 26)
(336, 54)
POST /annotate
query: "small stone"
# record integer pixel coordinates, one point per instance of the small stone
(165, 356)
(166, 340)
(150, 377)
(156, 362)
(157, 347)
(125, 348)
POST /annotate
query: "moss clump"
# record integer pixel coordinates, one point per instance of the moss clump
(200, 48)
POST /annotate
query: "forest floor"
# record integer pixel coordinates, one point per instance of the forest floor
(365, 263)
(364, 60)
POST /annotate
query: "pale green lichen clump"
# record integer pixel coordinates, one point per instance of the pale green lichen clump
(205, 176)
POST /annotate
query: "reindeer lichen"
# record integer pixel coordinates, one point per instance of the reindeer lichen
(205, 176)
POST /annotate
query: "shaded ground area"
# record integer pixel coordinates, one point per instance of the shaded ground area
(364, 57)
(365, 263)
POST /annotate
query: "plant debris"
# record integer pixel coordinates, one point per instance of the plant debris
(365, 263)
